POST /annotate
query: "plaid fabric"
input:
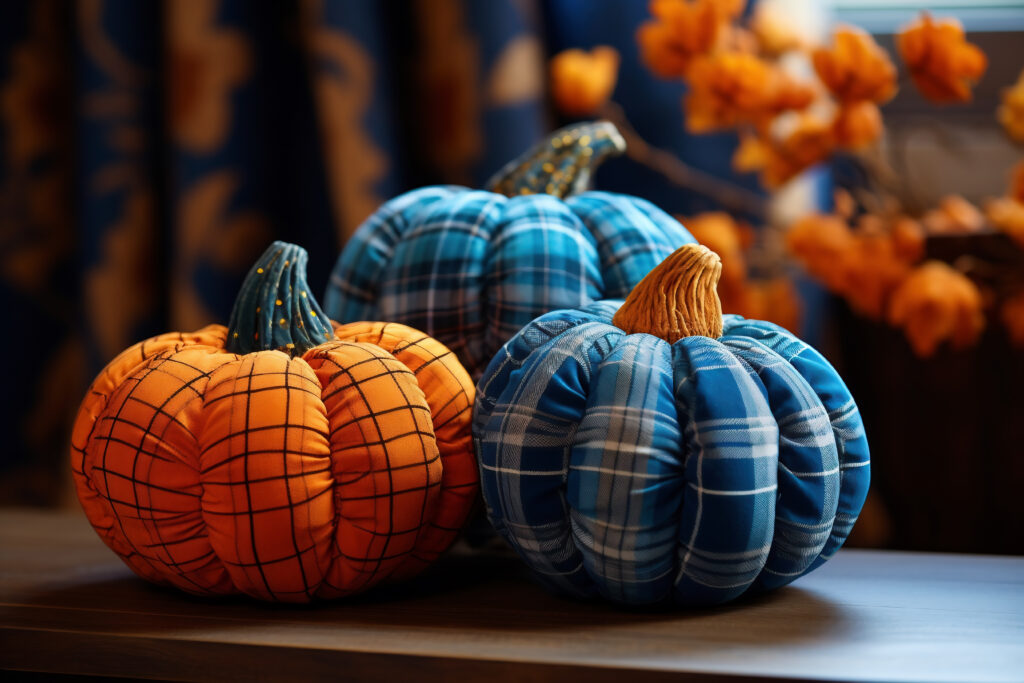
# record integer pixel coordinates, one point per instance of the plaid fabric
(847, 426)
(808, 473)
(282, 478)
(732, 444)
(623, 466)
(471, 268)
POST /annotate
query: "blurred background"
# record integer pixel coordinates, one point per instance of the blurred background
(150, 151)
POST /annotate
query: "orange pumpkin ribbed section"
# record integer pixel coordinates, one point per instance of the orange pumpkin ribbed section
(283, 478)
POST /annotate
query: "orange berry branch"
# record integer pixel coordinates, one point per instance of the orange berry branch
(794, 105)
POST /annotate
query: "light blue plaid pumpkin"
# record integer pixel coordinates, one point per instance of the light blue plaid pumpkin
(622, 465)
(471, 267)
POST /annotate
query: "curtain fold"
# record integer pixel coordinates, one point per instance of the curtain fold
(151, 151)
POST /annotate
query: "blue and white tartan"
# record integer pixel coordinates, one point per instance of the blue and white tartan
(645, 472)
(847, 425)
(471, 268)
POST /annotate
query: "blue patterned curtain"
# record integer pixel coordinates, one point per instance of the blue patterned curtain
(150, 150)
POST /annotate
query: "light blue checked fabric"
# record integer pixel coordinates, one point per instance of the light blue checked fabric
(645, 472)
(471, 268)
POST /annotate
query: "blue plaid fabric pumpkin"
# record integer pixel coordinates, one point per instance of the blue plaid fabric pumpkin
(649, 469)
(472, 267)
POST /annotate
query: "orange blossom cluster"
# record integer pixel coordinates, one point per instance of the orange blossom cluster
(876, 265)
(581, 82)
(942, 64)
(736, 80)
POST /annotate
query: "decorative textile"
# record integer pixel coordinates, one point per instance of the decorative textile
(471, 267)
(150, 150)
(645, 472)
(282, 478)
(854, 456)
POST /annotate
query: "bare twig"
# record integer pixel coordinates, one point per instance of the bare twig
(681, 174)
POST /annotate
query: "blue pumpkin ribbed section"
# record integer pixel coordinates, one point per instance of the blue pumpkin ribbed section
(645, 472)
(471, 268)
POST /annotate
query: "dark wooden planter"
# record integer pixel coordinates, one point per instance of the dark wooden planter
(946, 433)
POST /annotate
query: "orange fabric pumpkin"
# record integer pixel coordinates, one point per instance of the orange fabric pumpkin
(304, 462)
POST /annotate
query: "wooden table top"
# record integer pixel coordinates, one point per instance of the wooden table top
(68, 605)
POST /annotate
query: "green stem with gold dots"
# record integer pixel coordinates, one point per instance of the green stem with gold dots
(562, 164)
(275, 309)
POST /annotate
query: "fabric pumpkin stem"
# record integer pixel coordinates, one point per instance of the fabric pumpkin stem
(679, 298)
(561, 165)
(275, 309)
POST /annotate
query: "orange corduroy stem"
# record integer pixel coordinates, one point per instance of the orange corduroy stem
(677, 299)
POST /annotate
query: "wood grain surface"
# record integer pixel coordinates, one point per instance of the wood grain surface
(68, 605)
